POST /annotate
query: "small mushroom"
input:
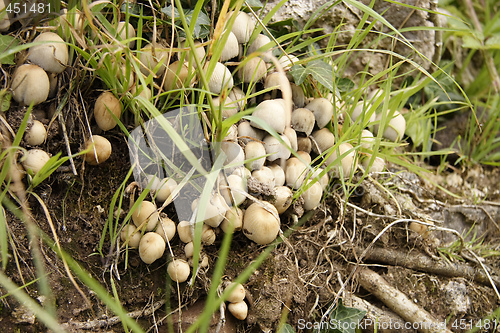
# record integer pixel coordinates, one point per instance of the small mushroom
(377, 165)
(189, 249)
(129, 235)
(177, 76)
(214, 211)
(207, 235)
(165, 228)
(261, 222)
(232, 134)
(164, 189)
(99, 150)
(235, 156)
(253, 70)
(178, 270)
(312, 196)
(237, 294)
(243, 27)
(146, 214)
(360, 113)
(295, 172)
(243, 172)
(395, 127)
(259, 42)
(291, 134)
(151, 247)
(30, 84)
(265, 176)
(220, 79)
(36, 134)
(323, 140)
(238, 97)
(283, 198)
(303, 120)
(52, 55)
(227, 106)
(287, 61)
(233, 221)
(304, 144)
(349, 162)
(126, 32)
(323, 180)
(106, 105)
(276, 149)
(235, 189)
(247, 133)
(255, 155)
(184, 231)
(231, 49)
(367, 139)
(273, 113)
(153, 59)
(420, 229)
(199, 53)
(238, 310)
(322, 109)
(279, 174)
(5, 17)
(298, 96)
(34, 160)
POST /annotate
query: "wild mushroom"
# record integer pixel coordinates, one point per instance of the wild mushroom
(126, 31)
(146, 215)
(312, 196)
(323, 140)
(153, 59)
(36, 134)
(106, 105)
(189, 249)
(377, 165)
(253, 70)
(295, 172)
(322, 109)
(52, 55)
(279, 174)
(238, 97)
(361, 112)
(214, 211)
(237, 294)
(99, 150)
(259, 42)
(367, 139)
(184, 231)
(220, 79)
(349, 162)
(227, 106)
(166, 227)
(243, 27)
(271, 112)
(247, 133)
(298, 96)
(283, 198)
(207, 235)
(230, 49)
(323, 180)
(164, 189)
(235, 189)
(5, 17)
(291, 134)
(303, 120)
(151, 247)
(178, 270)
(238, 310)
(304, 144)
(395, 127)
(177, 76)
(255, 155)
(129, 235)
(235, 155)
(30, 84)
(233, 221)
(261, 222)
(276, 149)
(199, 53)
(34, 160)
(265, 176)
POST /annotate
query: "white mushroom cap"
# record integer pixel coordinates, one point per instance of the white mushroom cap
(312, 196)
(220, 79)
(283, 198)
(177, 76)
(52, 55)
(253, 70)
(127, 234)
(248, 133)
(273, 113)
(243, 172)
(36, 135)
(189, 249)
(235, 189)
(199, 53)
(126, 32)
(237, 294)
(235, 155)
(5, 17)
(304, 156)
(360, 111)
(184, 231)
(291, 134)
(232, 134)
(261, 222)
(395, 128)
(164, 189)
(146, 213)
(207, 235)
(265, 176)
(151, 247)
(367, 139)
(238, 97)
(322, 109)
(215, 210)
(378, 164)
(303, 120)
(349, 162)
(276, 149)
(233, 220)
(34, 160)
(279, 174)
(304, 144)
(228, 107)
(256, 152)
(178, 270)
(287, 61)
(231, 49)
(243, 27)
(105, 105)
(238, 310)
(153, 59)
(166, 227)
(30, 84)
(298, 96)
(99, 150)
(322, 180)
(260, 41)
(295, 172)
(324, 139)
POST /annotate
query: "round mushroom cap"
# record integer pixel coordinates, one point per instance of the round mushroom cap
(395, 128)
(255, 155)
(322, 109)
(253, 70)
(177, 76)
(129, 234)
(237, 294)
(243, 27)
(303, 120)
(261, 222)
(231, 49)
(178, 270)
(36, 135)
(165, 228)
(312, 196)
(153, 59)
(238, 310)
(276, 149)
(126, 31)
(146, 213)
(349, 162)
(151, 247)
(323, 140)
(233, 221)
(52, 55)
(260, 41)
(265, 176)
(273, 113)
(34, 160)
(105, 105)
(283, 198)
(30, 84)
(221, 78)
(99, 150)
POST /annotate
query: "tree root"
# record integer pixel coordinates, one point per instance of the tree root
(99, 323)
(415, 317)
(426, 264)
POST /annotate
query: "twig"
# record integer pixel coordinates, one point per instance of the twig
(399, 302)
(93, 324)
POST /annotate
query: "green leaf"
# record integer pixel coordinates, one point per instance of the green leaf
(254, 4)
(202, 26)
(5, 98)
(7, 42)
(343, 319)
(493, 42)
(344, 84)
(286, 328)
(318, 69)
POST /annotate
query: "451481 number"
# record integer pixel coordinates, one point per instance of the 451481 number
(28, 8)
(484, 324)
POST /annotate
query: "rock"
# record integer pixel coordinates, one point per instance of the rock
(455, 293)
(349, 17)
